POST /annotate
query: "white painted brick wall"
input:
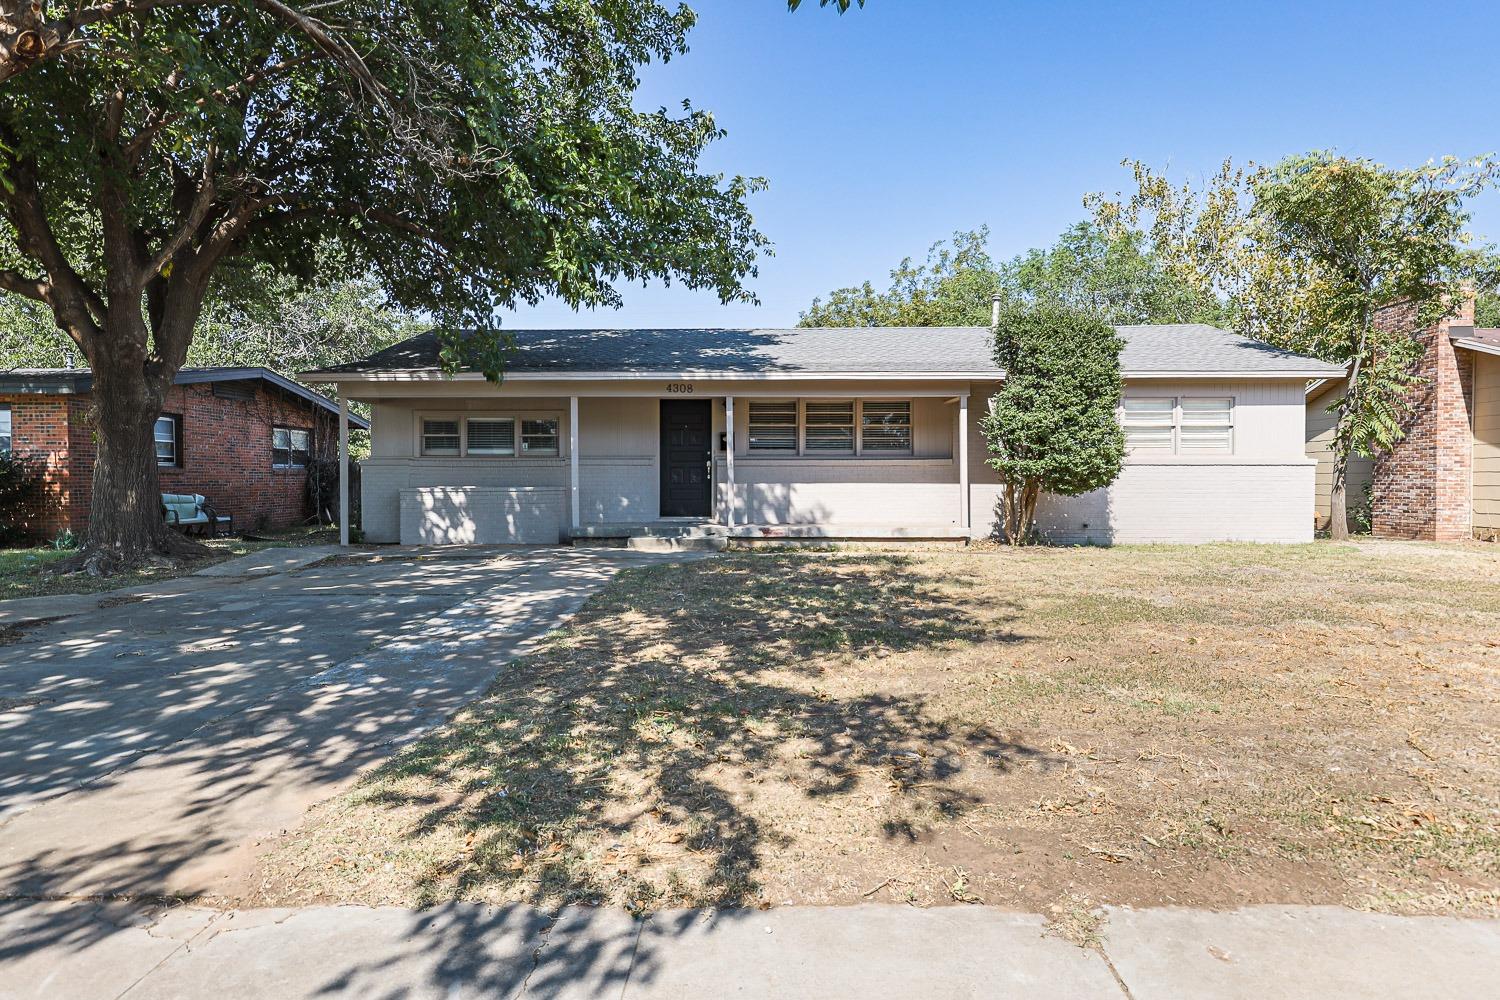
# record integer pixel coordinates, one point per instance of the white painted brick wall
(482, 515)
(611, 489)
(1177, 502)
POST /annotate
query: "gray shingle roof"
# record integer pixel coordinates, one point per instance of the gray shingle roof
(944, 350)
(69, 381)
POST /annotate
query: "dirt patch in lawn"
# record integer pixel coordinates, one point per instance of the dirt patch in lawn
(1209, 726)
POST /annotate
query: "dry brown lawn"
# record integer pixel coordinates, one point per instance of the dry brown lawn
(1048, 729)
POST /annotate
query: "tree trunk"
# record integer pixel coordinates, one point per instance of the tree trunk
(1338, 502)
(126, 527)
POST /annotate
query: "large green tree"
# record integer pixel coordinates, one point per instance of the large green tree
(1109, 273)
(1308, 253)
(471, 155)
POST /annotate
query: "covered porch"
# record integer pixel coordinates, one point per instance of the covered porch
(536, 461)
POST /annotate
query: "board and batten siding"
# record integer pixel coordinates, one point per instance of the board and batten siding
(1262, 491)
(1319, 436)
(1486, 445)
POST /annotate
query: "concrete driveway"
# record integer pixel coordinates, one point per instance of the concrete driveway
(146, 746)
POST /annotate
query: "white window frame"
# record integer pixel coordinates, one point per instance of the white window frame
(795, 425)
(515, 435)
(803, 425)
(175, 422)
(8, 438)
(521, 435)
(911, 429)
(1177, 424)
(800, 433)
(291, 449)
(517, 417)
(422, 435)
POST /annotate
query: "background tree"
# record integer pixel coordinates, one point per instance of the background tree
(470, 156)
(1306, 253)
(1112, 274)
(1052, 427)
(1487, 309)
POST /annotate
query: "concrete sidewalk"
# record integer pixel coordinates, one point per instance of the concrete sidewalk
(90, 950)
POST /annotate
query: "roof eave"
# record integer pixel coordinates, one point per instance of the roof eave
(434, 375)
(1475, 344)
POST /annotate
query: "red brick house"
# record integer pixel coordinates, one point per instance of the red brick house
(243, 437)
(1441, 482)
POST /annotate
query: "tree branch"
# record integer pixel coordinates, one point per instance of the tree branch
(31, 288)
(203, 202)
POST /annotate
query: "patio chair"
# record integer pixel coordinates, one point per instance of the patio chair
(192, 511)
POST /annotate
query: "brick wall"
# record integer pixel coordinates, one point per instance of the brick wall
(1423, 487)
(39, 427)
(226, 454)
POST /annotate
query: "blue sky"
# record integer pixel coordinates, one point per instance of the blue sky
(890, 127)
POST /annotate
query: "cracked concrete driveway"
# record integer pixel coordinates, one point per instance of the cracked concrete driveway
(146, 746)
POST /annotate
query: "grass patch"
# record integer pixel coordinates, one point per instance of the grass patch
(27, 572)
(1201, 726)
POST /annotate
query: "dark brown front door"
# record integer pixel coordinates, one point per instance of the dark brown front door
(686, 430)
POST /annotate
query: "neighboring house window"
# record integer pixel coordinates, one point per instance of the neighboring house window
(168, 434)
(440, 437)
(490, 436)
(773, 426)
(1192, 425)
(5, 441)
(290, 447)
(830, 427)
(540, 437)
(842, 427)
(885, 426)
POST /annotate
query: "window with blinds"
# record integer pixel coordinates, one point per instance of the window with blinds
(885, 427)
(1207, 425)
(540, 437)
(490, 435)
(773, 426)
(829, 427)
(1149, 423)
(440, 437)
(1185, 425)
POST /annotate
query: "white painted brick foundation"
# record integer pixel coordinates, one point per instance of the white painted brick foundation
(483, 515)
(1178, 502)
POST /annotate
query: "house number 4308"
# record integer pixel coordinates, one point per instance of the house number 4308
(680, 388)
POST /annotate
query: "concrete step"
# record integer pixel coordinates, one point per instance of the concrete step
(681, 543)
(606, 533)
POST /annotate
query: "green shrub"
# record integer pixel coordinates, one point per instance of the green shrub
(1052, 426)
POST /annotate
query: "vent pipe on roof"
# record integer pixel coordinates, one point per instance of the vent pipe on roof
(68, 360)
(995, 311)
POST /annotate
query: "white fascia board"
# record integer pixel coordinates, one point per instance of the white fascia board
(1482, 346)
(720, 376)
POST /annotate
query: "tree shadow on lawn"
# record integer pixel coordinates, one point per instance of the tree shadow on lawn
(627, 762)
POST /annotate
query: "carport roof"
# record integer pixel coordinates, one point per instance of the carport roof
(944, 351)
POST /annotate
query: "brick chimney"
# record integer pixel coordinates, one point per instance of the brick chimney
(1424, 487)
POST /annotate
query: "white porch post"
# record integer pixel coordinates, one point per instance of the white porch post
(729, 455)
(343, 469)
(573, 459)
(963, 463)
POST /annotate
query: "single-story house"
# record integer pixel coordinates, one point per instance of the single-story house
(822, 433)
(240, 436)
(1442, 480)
